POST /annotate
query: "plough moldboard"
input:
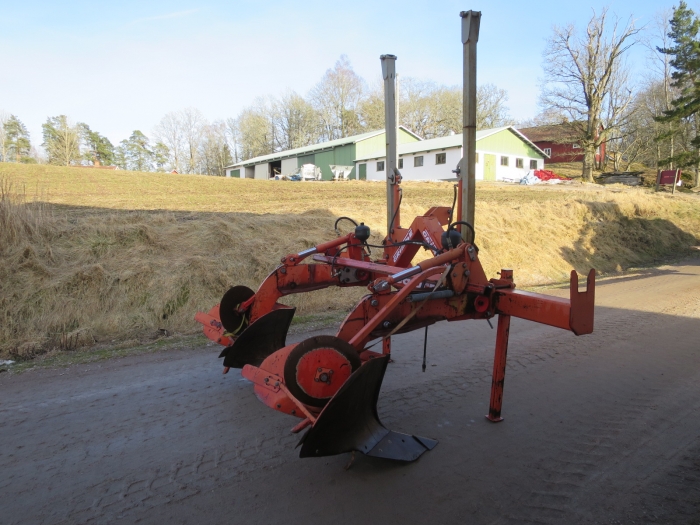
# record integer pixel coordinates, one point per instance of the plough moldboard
(332, 382)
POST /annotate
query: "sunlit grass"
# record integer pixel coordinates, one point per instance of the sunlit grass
(99, 256)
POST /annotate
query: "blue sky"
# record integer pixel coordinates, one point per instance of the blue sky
(120, 66)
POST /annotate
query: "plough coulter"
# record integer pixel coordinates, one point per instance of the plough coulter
(332, 382)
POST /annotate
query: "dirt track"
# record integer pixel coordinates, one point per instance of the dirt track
(598, 429)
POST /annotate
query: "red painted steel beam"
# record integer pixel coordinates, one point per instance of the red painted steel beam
(575, 314)
(545, 309)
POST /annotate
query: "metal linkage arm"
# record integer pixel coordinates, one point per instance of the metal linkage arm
(383, 284)
(575, 313)
(358, 341)
(295, 258)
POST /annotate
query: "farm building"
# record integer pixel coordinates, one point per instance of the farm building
(559, 142)
(501, 153)
(337, 154)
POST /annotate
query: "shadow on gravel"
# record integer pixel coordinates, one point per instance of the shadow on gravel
(593, 426)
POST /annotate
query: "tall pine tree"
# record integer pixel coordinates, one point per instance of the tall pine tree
(17, 143)
(100, 150)
(685, 61)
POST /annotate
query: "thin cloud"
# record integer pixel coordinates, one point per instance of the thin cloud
(177, 14)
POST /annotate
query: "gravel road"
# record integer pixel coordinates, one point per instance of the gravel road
(602, 428)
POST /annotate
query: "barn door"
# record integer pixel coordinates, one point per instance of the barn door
(363, 172)
(489, 167)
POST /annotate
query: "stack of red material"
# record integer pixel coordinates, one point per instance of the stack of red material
(549, 175)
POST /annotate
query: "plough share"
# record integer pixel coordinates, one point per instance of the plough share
(332, 382)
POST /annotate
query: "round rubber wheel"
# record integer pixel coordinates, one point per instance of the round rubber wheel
(230, 318)
(316, 369)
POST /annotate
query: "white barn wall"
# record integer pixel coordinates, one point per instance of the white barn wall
(289, 166)
(431, 171)
(510, 171)
(262, 171)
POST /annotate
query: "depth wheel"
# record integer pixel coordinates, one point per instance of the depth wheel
(316, 369)
(230, 318)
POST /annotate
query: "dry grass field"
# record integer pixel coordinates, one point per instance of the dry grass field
(92, 256)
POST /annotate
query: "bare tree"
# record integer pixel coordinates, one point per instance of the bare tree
(170, 132)
(491, 109)
(296, 122)
(61, 140)
(256, 131)
(336, 99)
(233, 138)
(419, 109)
(435, 110)
(587, 80)
(193, 123)
(182, 133)
(370, 110)
(214, 153)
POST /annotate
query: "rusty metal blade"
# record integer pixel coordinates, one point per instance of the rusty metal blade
(265, 336)
(350, 422)
(401, 447)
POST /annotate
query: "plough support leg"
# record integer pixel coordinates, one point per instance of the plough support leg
(499, 368)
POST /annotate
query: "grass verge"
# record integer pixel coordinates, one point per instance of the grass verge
(89, 258)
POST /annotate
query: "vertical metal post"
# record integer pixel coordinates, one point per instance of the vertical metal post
(499, 361)
(386, 345)
(467, 176)
(499, 368)
(392, 180)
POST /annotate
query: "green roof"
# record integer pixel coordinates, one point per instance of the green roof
(451, 141)
(323, 146)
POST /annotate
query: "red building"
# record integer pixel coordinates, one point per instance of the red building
(558, 141)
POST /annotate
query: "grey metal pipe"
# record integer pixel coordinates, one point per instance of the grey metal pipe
(417, 297)
(307, 252)
(392, 154)
(470, 36)
(405, 274)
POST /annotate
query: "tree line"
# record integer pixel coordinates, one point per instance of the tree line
(653, 119)
(341, 104)
(195, 146)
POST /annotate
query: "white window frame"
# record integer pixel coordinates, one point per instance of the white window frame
(519, 163)
(418, 161)
(380, 163)
(505, 161)
(437, 158)
(548, 151)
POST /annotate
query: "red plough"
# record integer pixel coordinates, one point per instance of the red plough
(332, 382)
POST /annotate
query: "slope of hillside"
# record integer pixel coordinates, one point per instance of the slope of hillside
(93, 256)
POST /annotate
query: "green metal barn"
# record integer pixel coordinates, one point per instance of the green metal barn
(337, 153)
